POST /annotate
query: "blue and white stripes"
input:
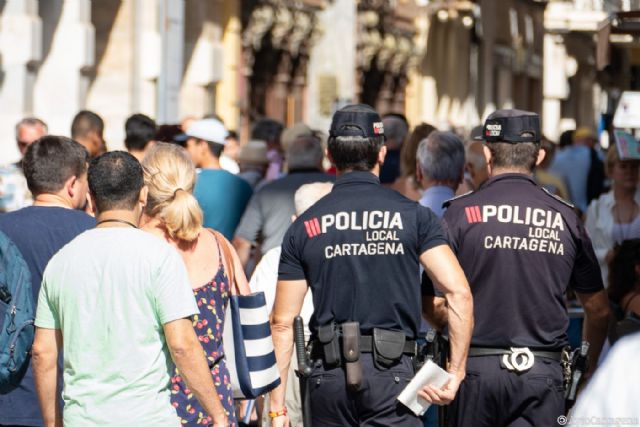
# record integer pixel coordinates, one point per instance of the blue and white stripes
(248, 347)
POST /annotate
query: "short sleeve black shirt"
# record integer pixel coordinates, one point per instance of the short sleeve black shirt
(358, 248)
(520, 249)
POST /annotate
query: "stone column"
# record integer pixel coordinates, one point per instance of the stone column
(170, 80)
(228, 89)
(62, 81)
(332, 63)
(555, 85)
(203, 58)
(146, 58)
(110, 87)
(20, 52)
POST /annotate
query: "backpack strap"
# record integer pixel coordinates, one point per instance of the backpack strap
(223, 245)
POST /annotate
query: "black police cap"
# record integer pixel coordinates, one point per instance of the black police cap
(356, 120)
(511, 126)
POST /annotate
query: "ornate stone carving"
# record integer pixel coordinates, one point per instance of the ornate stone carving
(282, 27)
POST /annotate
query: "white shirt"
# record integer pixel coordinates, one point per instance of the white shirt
(599, 225)
(228, 164)
(614, 389)
(265, 279)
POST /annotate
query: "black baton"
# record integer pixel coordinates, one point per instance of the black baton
(304, 369)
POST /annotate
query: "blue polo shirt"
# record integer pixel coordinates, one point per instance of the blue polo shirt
(38, 232)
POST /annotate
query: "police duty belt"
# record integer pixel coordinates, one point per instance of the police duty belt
(515, 359)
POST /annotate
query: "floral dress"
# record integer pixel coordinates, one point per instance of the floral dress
(212, 300)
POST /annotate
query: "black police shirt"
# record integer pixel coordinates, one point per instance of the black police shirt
(520, 248)
(358, 248)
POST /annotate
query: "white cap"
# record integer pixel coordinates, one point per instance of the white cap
(211, 130)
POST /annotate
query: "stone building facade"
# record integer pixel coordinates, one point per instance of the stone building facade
(165, 58)
(476, 57)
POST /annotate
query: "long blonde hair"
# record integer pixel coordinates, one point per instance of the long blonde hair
(170, 175)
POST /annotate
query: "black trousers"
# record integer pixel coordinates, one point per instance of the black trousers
(491, 396)
(374, 404)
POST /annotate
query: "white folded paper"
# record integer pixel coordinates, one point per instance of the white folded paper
(431, 374)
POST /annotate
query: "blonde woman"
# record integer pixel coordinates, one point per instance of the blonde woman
(615, 216)
(173, 214)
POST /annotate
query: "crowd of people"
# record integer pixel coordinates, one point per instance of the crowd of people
(129, 281)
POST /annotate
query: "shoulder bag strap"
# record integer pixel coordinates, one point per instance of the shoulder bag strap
(230, 265)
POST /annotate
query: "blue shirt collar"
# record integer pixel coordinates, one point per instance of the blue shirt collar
(434, 197)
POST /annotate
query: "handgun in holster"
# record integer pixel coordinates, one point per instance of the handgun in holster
(578, 364)
(351, 354)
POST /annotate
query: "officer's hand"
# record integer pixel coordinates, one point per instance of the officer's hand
(281, 421)
(441, 396)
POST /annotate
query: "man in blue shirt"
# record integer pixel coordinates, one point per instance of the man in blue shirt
(56, 171)
(440, 169)
(222, 195)
(581, 168)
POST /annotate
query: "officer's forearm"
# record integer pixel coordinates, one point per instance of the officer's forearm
(434, 311)
(460, 321)
(595, 332)
(282, 334)
(596, 321)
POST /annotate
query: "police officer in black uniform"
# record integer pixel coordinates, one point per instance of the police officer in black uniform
(520, 248)
(359, 249)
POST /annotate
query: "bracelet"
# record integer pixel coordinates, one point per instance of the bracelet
(279, 413)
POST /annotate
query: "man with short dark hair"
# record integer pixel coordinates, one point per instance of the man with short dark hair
(119, 301)
(14, 193)
(359, 249)
(521, 248)
(140, 134)
(222, 195)
(268, 214)
(440, 169)
(88, 128)
(55, 168)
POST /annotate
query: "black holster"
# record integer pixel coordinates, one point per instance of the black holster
(328, 337)
(351, 354)
(387, 347)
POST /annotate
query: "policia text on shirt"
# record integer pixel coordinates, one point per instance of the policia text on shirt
(359, 250)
